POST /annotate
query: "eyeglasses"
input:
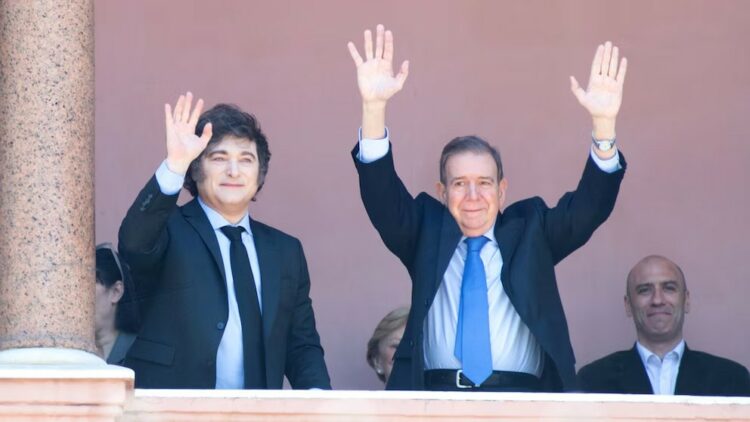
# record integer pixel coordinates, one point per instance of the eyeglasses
(108, 246)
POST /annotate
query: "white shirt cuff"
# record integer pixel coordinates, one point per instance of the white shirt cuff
(169, 182)
(608, 166)
(373, 149)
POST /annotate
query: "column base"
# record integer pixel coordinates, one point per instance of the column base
(61, 384)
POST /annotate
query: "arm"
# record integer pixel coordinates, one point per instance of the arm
(305, 366)
(376, 81)
(143, 235)
(572, 222)
(603, 96)
(391, 208)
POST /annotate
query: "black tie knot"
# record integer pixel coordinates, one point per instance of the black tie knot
(232, 232)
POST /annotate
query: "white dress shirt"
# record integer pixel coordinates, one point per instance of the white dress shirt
(662, 373)
(230, 370)
(514, 348)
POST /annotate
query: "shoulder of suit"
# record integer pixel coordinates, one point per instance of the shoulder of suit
(716, 363)
(525, 207)
(272, 231)
(611, 360)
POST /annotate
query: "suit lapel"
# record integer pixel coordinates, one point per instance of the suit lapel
(633, 374)
(269, 262)
(508, 233)
(450, 235)
(197, 218)
(686, 375)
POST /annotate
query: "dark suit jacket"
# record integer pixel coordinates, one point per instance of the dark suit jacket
(700, 374)
(179, 275)
(532, 239)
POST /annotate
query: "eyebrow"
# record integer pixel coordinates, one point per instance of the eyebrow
(223, 151)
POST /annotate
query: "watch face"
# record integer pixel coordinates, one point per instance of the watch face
(603, 145)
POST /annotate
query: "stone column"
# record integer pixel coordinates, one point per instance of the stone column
(47, 216)
(46, 174)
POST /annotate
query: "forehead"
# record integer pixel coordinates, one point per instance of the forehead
(470, 164)
(655, 272)
(234, 144)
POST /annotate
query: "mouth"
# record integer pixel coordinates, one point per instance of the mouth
(231, 185)
(659, 313)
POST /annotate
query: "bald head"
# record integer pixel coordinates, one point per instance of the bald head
(657, 299)
(654, 262)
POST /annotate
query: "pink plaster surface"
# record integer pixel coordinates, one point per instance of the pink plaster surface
(46, 183)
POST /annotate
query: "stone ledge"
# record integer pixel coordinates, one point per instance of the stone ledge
(285, 405)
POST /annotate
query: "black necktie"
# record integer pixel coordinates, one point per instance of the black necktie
(247, 303)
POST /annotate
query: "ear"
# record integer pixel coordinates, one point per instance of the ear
(442, 192)
(376, 364)
(628, 311)
(116, 291)
(687, 301)
(502, 188)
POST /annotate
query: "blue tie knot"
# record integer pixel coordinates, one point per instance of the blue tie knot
(475, 244)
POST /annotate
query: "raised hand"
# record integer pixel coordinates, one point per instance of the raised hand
(183, 145)
(603, 96)
(375, 74)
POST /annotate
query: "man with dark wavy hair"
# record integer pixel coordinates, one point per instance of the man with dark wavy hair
(225, 299)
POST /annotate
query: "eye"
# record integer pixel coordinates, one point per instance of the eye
(218, 158)
(459, 183)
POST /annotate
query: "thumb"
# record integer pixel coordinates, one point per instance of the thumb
(207, 133)
(577, 90)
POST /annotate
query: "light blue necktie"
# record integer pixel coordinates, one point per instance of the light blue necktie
(473, 331)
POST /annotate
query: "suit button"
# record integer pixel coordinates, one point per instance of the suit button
(220, 326)
(426, 303)
(411, 343)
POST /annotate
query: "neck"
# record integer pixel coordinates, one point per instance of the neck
(660, 348)
(232, 214)
(105, 339)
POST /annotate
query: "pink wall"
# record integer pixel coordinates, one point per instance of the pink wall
(498, 69)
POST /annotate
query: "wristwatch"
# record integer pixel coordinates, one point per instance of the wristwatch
(603, 145)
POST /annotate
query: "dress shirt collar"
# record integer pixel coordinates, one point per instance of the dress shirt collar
(217, 221)
(490, 234)
(647, 354)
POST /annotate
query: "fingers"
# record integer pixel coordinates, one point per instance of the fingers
(178, 108)
(623, 70)
(596, 65)
(577, 90)
(186, 109)
(388, 52)
(606, 58)
(196, 113)
(379, 41)
(368, 45)
(168, 115)
(208, 130)
(403, 74)
(355, 54)
(613, 63)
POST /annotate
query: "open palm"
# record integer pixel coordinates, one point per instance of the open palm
(375, 77)
(183, 145)
(603, 96)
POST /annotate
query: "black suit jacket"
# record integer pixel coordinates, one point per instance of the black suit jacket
(179, 275)
(700, 374)
(532, 239)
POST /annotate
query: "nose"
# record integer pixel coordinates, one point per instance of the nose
(232, 168)
(658, 297)
(472, 191)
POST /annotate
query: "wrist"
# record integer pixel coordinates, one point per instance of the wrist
(373, 106)
(177, 167)
(604, 128)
